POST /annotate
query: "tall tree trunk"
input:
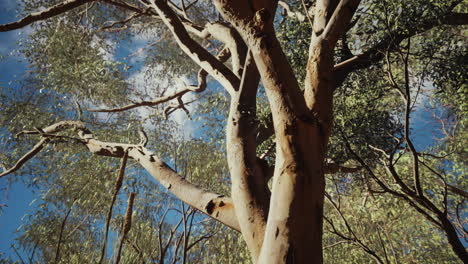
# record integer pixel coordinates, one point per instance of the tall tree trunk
(302, 124)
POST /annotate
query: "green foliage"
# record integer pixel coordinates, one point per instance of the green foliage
(72, 60)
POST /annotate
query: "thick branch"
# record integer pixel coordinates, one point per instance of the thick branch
(340, 20)
(194, 50)
(249, 187)
(47, 13)
(456, 19)
(217, 206)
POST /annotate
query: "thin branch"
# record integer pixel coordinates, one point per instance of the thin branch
(414, 154)
(143, 137)
(118, 185)
(126, 226)
(127, 6)
(36, 149)
(110, 27)
(153, 102)
(442, 182)
(62, 228)
(18, 254)
(45, 14)
(332, 168)
(354, 237)
(393, 39)
(223, 55)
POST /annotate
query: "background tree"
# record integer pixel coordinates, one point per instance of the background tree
(362, 63)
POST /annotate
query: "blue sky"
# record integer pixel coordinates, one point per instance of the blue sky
(13, 67)
(18, 197)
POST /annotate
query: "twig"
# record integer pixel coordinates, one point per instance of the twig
(118, 185)
(127, 225)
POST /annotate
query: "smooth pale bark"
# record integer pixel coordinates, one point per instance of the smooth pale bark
(302, 124)
(286, 227)
(217, 206)
(249, 182)
(294, 226)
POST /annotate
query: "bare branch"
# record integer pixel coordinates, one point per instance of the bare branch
(202, 84)
(217, 206)
(118, 185)
(62, 228)
(154, 102)
(143, 137)
(111, 25)
(171, 108)
(126, 225)
(332, 168)
(42, 15)
(194, 50)
(36, 149)
(340, 20)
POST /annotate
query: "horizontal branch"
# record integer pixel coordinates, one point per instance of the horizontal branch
(457, 19)
(153, 102)
(214, 205)
(202, 84)
(453, 189)
(332, 168)
(45, 14)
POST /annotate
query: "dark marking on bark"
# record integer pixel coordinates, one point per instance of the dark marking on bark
(262, 17)
(277, 232)
(290, 255)
(169, 187)
(221, 204)
(217, 214)
(209, 207)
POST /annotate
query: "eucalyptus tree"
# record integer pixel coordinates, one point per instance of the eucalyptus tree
(277, 194)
